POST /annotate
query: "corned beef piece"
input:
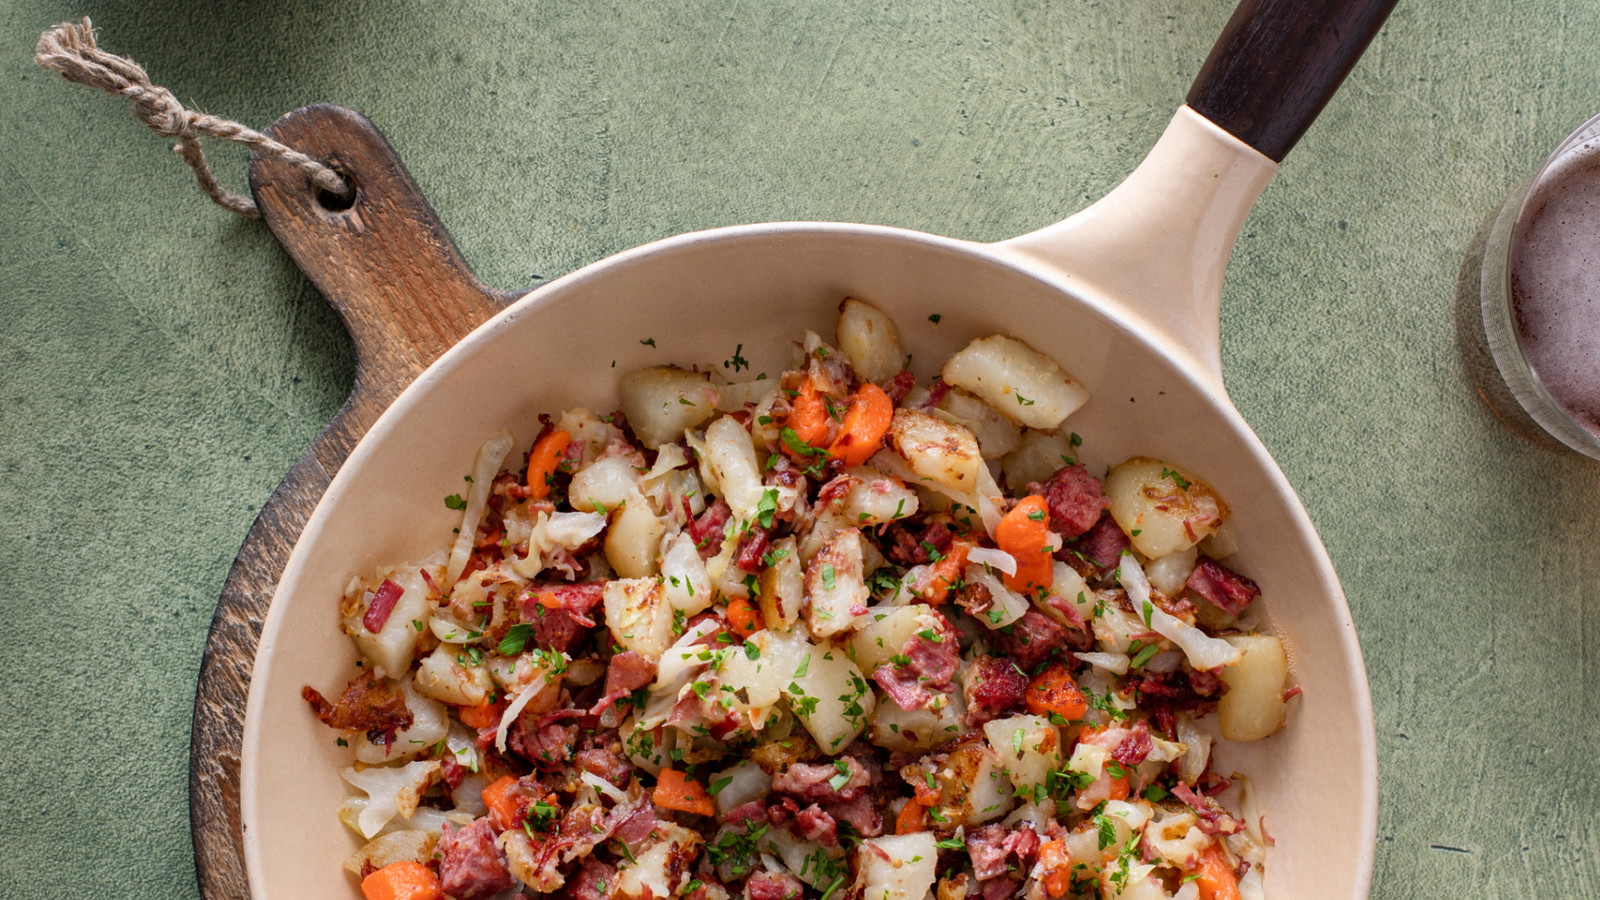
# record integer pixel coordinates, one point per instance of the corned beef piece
(1224, 588)
(1074, 497)
(993, 685)
(1036, 637)
(1098, 550)
(471, 866)
(815, 782)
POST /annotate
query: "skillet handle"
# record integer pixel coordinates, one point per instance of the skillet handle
(1278, 62)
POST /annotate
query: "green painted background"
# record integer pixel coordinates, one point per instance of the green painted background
(161, 363)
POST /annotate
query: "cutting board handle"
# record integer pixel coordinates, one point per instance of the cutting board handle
(382, 259)
(385, 263)
(1278, 62)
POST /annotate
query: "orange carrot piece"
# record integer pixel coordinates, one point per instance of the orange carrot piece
(1054, 691)
(1120, 787)
(402, 881)
(743, 617)
(504, 809)
(482, 716)
(865, 423)
(943, 574)
(675, 790)
(1056, 865)
(808, 417)
(543, 460)
(1023, 533)
(911, 818)
(1216, 880)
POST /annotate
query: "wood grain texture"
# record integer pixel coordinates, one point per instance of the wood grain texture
(403, 291)
(1278, 62)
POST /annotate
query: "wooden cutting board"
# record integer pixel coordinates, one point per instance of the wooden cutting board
(386, 265)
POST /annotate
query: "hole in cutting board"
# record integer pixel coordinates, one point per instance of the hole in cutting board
(333, 202)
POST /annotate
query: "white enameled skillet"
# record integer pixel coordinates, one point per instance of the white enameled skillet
(1124, 295)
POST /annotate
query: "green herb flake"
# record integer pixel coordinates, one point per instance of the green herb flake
(516, 638)
(454, 501)
(767, 507)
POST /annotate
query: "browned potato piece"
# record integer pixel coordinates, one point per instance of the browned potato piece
(1162, 508)
(1253, 707)
(941, 452)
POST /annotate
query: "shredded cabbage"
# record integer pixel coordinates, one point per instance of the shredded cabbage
(484, 468)
(1203, 651)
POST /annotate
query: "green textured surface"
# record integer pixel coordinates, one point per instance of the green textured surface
(162, 364)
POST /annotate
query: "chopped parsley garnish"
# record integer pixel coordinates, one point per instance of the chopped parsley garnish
(454, 501)
(1144, 655)
(842, 777)
(791, 439)
(767, 507)
(516, 638)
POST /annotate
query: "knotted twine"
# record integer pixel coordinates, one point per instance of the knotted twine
(69, 49)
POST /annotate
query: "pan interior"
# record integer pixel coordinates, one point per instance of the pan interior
(699, 299)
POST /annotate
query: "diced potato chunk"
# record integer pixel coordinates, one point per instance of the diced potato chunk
(938, 451)
(875, 499)
(639, 615)
(972, 789)
(1020, 382)
(1038, 456)
(1253, 707)
(782, 586)
(688, 587)
(897, 867)
(887, 630)
(1028, 746)
(657, 869)
(396, 846)
(732, 458)
(870, 339)
(830, 697)
(1162, 508)
(605, 484)
(835, 582)
(394, 644)
(996, 434)
(633, 538)
(918, 730)
(446, 674)
(662, 402)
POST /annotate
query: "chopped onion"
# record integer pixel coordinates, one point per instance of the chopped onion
(1197, 750)
(534, 686)
(740, 783)
(557, 531)
(993, 558)
(603, 786)
(1111, 662)
(484, 468)
(677, 667)
(1203, 650)
(989, 498)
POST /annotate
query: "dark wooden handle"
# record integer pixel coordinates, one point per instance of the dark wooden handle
(406, 295)
(1277, 63)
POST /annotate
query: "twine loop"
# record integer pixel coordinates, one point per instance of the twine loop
(69, 49)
